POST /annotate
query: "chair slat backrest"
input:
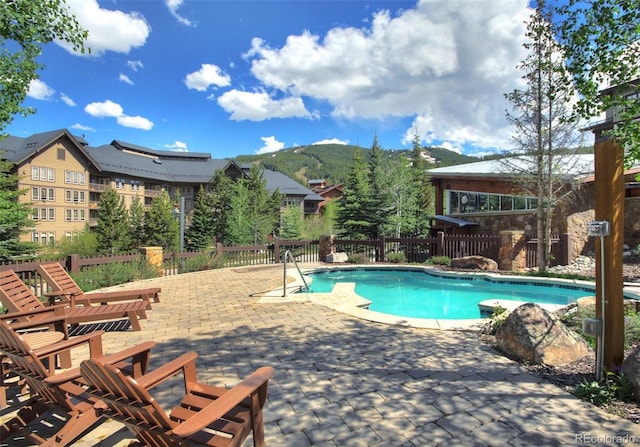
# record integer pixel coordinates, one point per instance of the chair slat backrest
(127, 401)
(15, 295)
(58, 278)
(30, 367)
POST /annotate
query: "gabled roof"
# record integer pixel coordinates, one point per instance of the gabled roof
(18, 150)
(160, 154)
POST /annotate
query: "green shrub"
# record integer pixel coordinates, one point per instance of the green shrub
(612, 387)
(439, 260)
(594, 393)
(631, 328)
(357, 258)
(396, 257)
(112, 274)
(198, 263)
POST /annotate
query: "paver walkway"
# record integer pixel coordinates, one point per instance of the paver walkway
(342, 381)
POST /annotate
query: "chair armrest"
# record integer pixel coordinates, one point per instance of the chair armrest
(219, 407)
(94, 339)
(117, 357)
(167, 370)
(53, 294)
(58, 310)
(59, 322)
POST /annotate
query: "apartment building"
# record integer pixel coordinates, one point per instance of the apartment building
(64, 178)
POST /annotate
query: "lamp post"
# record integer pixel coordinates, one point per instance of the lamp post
(178, 214)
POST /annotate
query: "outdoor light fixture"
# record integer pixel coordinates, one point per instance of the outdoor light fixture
(595, 326)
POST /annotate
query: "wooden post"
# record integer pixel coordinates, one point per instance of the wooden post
(609, 192)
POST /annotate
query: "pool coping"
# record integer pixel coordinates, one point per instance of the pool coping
(344, 299)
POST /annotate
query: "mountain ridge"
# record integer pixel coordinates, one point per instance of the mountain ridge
(331, 162)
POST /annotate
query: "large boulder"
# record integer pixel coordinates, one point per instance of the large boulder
(474, 263)
(336, 257)
(532, 334)
(631, 369)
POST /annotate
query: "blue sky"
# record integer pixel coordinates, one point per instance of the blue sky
(243, 77)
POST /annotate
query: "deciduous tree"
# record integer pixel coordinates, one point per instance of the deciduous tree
(25, 26)
(545, 135)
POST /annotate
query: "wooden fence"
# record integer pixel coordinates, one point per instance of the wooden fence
(414, 250)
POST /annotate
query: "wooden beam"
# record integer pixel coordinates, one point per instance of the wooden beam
(609, 194)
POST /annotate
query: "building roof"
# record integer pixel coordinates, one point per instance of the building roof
(127, 159)
(576, 165)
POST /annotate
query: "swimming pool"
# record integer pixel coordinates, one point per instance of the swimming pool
(420, 293)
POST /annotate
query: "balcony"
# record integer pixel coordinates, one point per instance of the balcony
(152, 192)
(98, 187)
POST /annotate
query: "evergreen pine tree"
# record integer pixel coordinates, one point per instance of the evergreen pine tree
(112, 230)
(264, 208)
(162, 227)
(422, 191)
(380, 198)
(136, 222)
(353, 217)
(291, 227)
(199, 235)
(14, 215)
(221, 192)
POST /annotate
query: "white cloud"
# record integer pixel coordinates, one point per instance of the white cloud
(207, 76)
(68, 101)
(444, 62)
(259, 106)
(136, 122)
(109, 30)
(83, 127)
(110, 109)
(173, 6)
(106, 108)
(40, 90)
(270, 145)
(135, 65)
(177, 146)
(124, 78)
(331, 141)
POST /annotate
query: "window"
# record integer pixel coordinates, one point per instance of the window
(51, 195)
(461, 202)
(74, 177)
(35, 193)
(35, 214)
(119, 183)
(134, 185)
(61, 154)
(67, 215)
(43, 174)
(52, 214)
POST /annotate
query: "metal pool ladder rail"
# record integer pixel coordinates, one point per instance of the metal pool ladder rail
(289, 256)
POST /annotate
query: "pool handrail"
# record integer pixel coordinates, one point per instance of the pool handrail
(289, 255)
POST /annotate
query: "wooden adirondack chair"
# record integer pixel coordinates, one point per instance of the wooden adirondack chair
(17, 297)
(207, 415)
(60, 392)
(63, 285)
(51, 328)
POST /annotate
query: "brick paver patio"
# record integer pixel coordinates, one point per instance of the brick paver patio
(342, 381)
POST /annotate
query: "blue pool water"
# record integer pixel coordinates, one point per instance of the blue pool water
(421, 294)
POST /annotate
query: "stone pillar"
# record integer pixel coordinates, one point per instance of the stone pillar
(326, 245)
(154, 257)
(513, 255)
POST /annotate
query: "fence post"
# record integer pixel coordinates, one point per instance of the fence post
(73, 263)
(154, 257)
(440, 243)
(276, 250)
(566, 249)
(380, 255)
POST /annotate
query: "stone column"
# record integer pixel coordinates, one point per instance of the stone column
(326, 245)
(154, 257)
(513, 255)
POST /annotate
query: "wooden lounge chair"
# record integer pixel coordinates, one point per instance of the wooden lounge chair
(61, 393)
(17, 297)
(207, 415)
(63, 285)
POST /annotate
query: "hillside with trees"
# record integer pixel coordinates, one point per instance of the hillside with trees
(331, 161)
